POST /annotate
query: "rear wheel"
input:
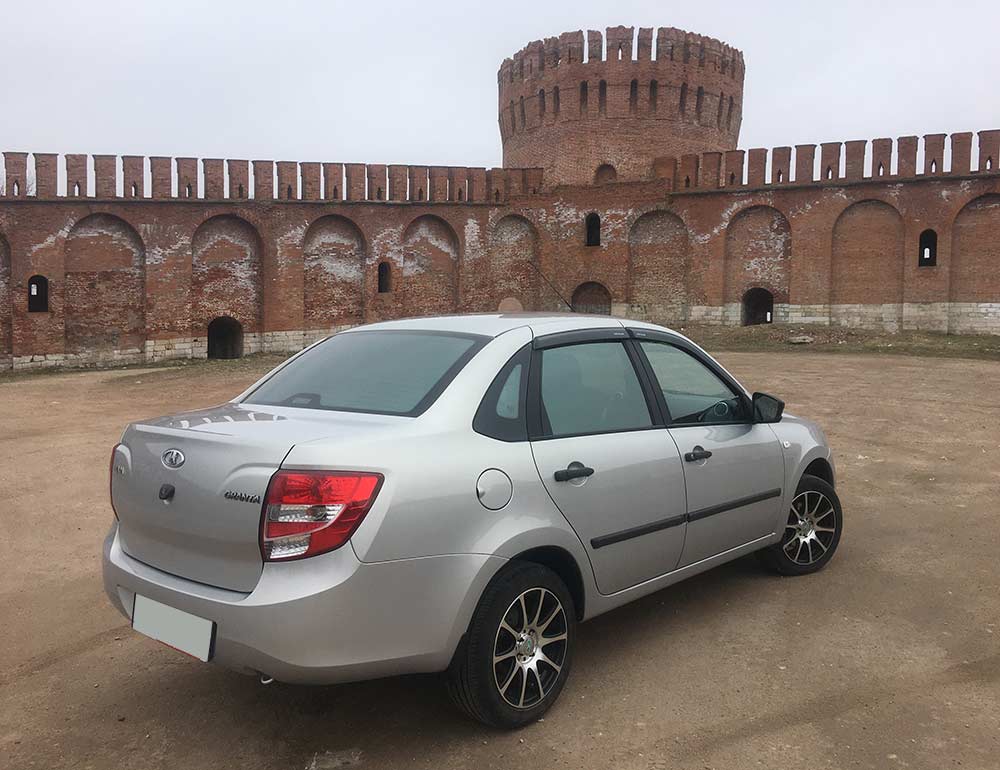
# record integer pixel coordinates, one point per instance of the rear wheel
(812, 530)
(516, 656)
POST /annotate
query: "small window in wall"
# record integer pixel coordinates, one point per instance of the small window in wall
(541, 102)
(584, 97)
(699, 102)
(384, 278)
(684, 97)
(524, 119)
(654, 95)
(38, 294)
(593, 223)
(602, 98)
(633, 97)
(555, 100)
(928, 249)
(729, 114)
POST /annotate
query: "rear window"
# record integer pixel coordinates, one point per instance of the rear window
(382, 372)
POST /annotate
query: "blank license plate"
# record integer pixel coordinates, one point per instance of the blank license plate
(175, 628)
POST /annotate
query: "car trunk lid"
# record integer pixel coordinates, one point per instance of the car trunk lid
(188, 489)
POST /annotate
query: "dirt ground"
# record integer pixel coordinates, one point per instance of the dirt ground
(888, 658)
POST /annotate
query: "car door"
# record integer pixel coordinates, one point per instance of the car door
(604, 456)
(733, 468)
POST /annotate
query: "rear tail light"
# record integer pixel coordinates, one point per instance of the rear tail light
(111, 479)
(312, 512)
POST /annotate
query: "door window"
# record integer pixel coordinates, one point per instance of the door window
(590, 388)
(693, 392)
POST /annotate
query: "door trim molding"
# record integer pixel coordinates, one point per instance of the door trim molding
(674, 521)
(644, 529)
(704, 513)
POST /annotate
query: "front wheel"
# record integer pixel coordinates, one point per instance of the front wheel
(812, 530)
(516, 655)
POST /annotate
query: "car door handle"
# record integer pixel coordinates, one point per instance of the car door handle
(574, 471)
(696, 454)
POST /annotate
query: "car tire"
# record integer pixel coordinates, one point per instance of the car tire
(811, 531)
(514, 660)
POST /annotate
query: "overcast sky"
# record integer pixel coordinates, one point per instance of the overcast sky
(415, 82)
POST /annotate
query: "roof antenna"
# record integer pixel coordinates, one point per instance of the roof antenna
(554, 289)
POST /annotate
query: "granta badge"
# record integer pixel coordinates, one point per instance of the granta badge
(241, 497)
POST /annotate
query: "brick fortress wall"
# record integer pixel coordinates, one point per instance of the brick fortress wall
(140, 255)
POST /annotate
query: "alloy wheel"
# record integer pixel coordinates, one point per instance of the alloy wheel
(530, 648)
(810, 529)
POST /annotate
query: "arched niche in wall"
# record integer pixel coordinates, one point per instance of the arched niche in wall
(975, 260)
(758, 250)
(866, 276)
(427, 280)
(592, 297)
(333, 273)
(659, 258)
(104, 288)
(6, 301)
(513, 265)
(226, 254)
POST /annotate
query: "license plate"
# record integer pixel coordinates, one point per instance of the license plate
(181, 630)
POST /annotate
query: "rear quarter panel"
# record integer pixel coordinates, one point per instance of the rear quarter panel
(428, 504)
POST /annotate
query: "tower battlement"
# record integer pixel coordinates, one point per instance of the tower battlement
(605, 106)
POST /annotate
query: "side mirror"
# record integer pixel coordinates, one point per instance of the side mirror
(767, 408)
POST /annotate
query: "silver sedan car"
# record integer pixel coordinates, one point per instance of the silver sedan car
(455, 495)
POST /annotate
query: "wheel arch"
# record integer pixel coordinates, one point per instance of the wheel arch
(563, 563)
(821, 468)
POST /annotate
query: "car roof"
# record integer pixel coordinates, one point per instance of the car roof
(495, 324)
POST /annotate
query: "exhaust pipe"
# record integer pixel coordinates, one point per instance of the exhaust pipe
(265, 679)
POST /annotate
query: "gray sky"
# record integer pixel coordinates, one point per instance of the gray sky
(415, 82)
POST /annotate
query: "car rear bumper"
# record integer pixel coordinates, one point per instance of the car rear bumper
(330, 618)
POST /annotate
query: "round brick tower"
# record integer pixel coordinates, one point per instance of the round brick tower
(598, 113)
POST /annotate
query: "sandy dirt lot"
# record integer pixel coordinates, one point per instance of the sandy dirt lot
(889, 658)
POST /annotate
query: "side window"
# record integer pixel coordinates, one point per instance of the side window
(501, 413)
(590, 388)
(693, 392)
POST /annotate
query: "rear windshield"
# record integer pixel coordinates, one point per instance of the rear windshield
(382, 372)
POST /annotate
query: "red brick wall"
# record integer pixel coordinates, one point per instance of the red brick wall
(5, 298)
